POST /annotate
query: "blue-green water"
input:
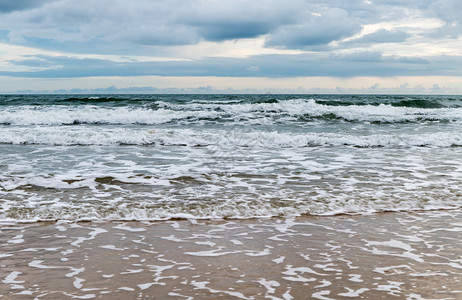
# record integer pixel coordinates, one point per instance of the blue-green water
(152, 157)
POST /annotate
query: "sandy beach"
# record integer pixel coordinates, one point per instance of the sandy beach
(198, 149)
(382, 256)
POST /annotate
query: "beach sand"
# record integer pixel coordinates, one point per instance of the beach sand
(382, 256)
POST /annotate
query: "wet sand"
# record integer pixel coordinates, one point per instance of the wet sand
(383, 256)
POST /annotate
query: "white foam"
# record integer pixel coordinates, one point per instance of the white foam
(210, 253)
(279, 260)
(324, 283)
(355, 277)
(322, 295)
(17, 239)
(75, 271)
(131, 271)
(38, 264)
(203, 285)
(111, 247)
(207, 243)
(396, 244)
(78, 282)
(11, 278)
(392, 288)
(270, 285)
(353, 293)
(92, 234)
(266, 251)
(128, 228)
(145, 286)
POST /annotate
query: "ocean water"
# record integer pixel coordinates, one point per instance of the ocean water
(158, 157)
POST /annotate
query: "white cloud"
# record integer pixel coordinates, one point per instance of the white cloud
(269, 38)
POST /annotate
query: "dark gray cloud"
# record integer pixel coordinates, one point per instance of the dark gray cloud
(143, 22)
(96, 23)
(227, 20)
(13, 5)
(126, 24)
(229, 31)
(149, 28)
(276, 66)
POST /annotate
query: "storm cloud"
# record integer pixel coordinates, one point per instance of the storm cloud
(9, 6)
(276, 66)
(291, 38)
(332, 25)
(287, 24)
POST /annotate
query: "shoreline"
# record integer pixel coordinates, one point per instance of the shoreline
(397, 255)
(9, 222)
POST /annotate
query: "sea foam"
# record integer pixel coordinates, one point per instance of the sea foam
(221, 138)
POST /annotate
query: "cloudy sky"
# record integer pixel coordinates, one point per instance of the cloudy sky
(231, 45)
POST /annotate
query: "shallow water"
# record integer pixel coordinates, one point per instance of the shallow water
(383, 256)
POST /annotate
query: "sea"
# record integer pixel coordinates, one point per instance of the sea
(168, 157)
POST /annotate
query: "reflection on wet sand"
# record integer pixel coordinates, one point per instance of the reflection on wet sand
(383, 256)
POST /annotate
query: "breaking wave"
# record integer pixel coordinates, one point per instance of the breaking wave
(291, 111)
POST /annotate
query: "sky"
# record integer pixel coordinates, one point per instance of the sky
(250, 46)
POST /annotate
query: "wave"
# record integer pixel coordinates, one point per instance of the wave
(307, 109)
(252, 211)
(68, 136)
(91, 194)
(297, 110)
(94, 115)
(420, 101)
(121, 196)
